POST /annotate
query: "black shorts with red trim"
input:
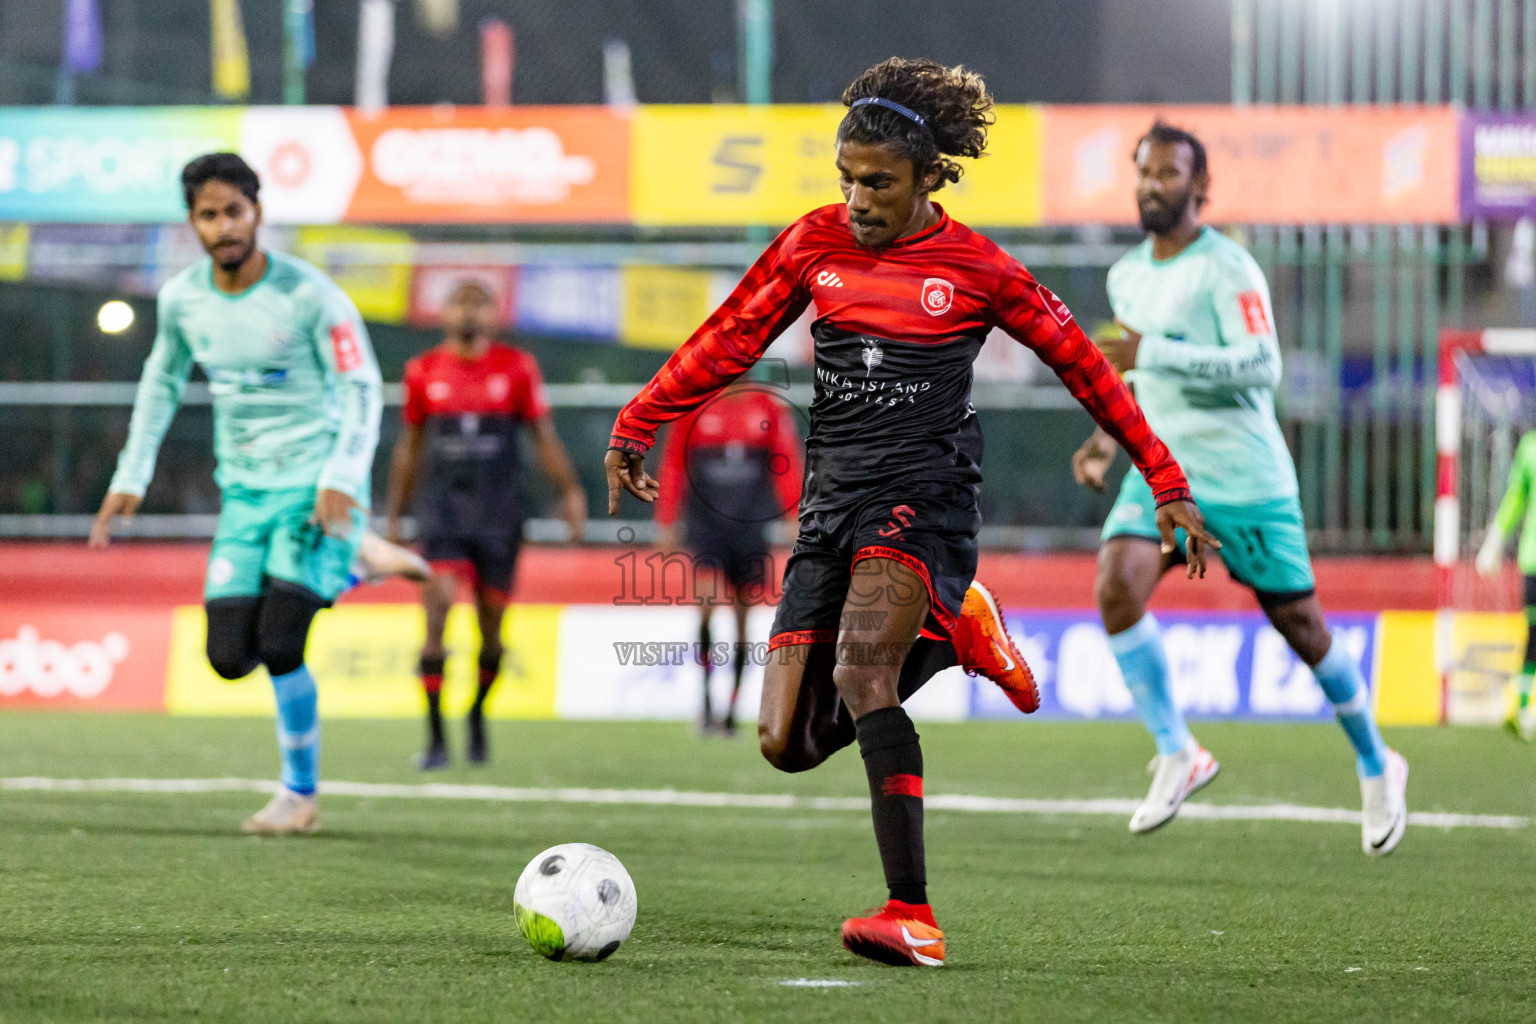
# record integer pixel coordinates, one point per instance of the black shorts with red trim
(486, 560)
(930, 528)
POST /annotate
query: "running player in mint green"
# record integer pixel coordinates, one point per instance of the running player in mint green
(296, 401)
(1517, 514)
(1198, 343)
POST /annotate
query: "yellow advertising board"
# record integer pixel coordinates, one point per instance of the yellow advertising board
(364, 660)
(13, 251)
(663, 305)
(727, 164)
(372, 265)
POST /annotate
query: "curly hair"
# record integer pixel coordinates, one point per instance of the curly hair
(953, 102)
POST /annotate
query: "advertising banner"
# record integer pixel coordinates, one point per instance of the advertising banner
(728, 164)
(1269, 165)
(1498, 165)
(365, 657)
(1222, 665)
(565, 165)
(99, 658)
(104, 165)
(372, 265)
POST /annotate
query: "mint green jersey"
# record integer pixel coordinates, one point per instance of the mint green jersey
(1517, 512)
(1208, 365)
(296, 390)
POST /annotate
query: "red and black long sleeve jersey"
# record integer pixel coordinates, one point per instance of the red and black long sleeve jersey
(896, 332)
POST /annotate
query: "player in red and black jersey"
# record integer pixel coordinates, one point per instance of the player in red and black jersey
(466, 403)
(732, 466)
(876, 594)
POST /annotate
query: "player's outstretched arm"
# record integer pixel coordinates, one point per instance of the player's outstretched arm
(341, 341)
(161, 384)
(769, 298)
(1511, 512)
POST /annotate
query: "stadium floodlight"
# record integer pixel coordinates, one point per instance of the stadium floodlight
(114, 317)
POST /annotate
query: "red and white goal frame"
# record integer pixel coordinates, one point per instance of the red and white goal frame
(1452, 426)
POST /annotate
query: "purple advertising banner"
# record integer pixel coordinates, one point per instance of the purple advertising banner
(1498, 165)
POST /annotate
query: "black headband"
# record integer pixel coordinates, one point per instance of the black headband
(906, 112)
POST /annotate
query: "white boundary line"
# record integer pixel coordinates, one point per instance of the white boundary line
(762, 801)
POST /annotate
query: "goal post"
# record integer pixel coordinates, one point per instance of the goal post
(1485, 399)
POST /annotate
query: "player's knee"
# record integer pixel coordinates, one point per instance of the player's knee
(779, 751)
(865, 683)
(282, 652)
(231, 661)
(1119, 605)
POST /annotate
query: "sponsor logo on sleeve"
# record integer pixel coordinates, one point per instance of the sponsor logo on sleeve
(1254, 314)
(349, 355)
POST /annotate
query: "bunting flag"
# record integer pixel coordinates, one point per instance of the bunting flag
(231, 60)
(82, 36)
(375, 49)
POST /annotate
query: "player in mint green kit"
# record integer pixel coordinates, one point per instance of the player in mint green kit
(296, 401)
(1198, 344)
(1517, 514)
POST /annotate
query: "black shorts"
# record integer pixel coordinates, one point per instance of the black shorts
(931, 530)
(738, 551)
(487, 560)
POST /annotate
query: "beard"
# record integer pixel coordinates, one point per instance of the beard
(232, 264)
(1159, 219)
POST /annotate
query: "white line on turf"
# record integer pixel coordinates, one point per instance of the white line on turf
(819, 983)
(773, 801)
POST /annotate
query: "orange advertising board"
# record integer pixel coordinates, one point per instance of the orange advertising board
(565, 165)
(1273, 165)
(73, 657)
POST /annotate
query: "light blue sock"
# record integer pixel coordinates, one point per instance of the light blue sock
(1144, 664)
(1345, 688)
(298, 729)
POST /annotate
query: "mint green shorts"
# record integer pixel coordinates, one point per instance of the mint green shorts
(1263, 546)
(267, 535)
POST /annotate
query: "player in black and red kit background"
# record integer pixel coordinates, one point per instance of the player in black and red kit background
(879, 593)
(732, 467)
(466, 404)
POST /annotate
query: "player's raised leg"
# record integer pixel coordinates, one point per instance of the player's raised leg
(1129, 568)
(1383, 772)
(437, 595)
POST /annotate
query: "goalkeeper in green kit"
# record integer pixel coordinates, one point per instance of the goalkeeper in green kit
(296, 401)
(1517, 514)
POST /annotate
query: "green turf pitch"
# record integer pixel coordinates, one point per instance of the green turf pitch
(140, 907)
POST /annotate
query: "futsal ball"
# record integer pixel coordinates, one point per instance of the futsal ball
(575, 902)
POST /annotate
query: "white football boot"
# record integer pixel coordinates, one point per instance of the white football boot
(286, 812)
(1384, 807)
(1174, 777)
(377, 560)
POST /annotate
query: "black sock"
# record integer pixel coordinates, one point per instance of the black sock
(706, 659)
(893, 761)
(490, 668)
(431, 672)
(926, 659)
